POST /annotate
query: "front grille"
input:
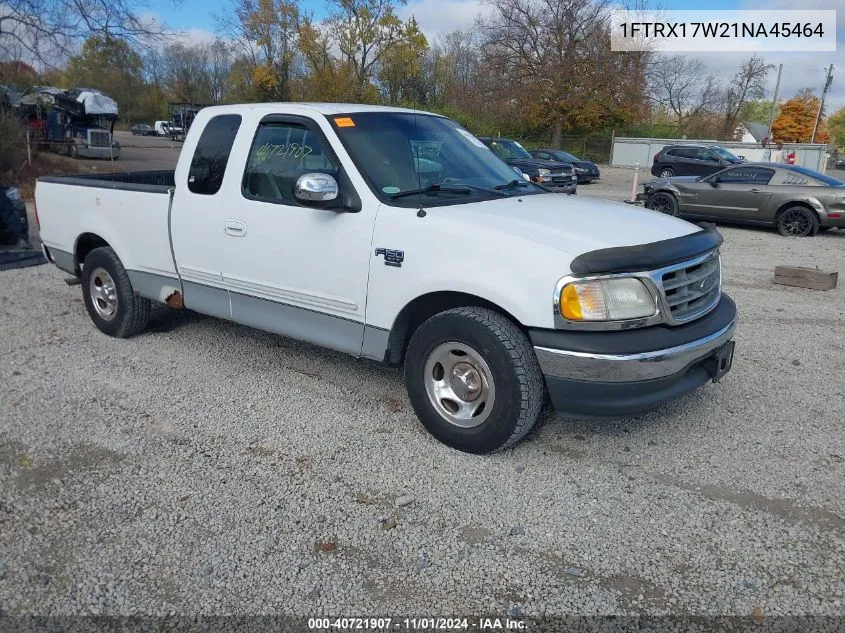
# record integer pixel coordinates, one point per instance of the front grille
(561, 178)
(693, 289)
(99, 138)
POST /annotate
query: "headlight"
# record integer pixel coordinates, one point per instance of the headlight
(580, 170)
(606, 300)
(544, 174)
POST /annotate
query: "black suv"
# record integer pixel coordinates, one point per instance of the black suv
(556, 176)
(692, 160)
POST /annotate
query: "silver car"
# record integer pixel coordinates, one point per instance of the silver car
(800, 202)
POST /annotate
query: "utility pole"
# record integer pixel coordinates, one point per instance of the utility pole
(774, 105)
(827, 83)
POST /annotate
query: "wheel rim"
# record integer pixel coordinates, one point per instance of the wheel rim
(459, 384)
(103, 293)
(667, 173)
(796, 222)
(663, 203)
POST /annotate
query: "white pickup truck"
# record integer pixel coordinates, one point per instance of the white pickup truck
(396, 235)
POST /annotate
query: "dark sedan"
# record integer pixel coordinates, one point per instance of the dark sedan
(586, 170)
(142, 129)
(800, 202)
(556, 176)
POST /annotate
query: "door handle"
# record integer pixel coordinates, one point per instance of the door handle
(235, 228)
(756, 191)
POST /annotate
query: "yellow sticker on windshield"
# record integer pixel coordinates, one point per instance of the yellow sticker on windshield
(344, 121)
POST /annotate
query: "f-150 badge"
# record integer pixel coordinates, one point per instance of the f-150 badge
(391, 257)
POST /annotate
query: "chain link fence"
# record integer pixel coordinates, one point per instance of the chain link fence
(595, 147)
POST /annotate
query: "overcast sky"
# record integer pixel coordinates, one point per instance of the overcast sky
(800, 70)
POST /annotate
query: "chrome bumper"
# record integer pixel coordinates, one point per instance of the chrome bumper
(613, 368)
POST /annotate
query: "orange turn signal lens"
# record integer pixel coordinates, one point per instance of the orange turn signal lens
(570, 304)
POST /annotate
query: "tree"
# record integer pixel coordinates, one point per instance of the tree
(364, 30)
(551, 63)
(835, 124)
(748, 83)
(757, 111)
(109, 64)
(196, 73)
(681, 85)
(264, 36)
(49, 30)
(794, 123)
(400, 72)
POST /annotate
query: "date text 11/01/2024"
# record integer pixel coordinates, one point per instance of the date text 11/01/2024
(416, 624)
(721, 29)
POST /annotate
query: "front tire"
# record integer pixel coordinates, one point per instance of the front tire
(111, 302)
(474, 380)
(798, 222)
(664, 202)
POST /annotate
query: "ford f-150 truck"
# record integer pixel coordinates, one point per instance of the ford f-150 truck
(395, 235)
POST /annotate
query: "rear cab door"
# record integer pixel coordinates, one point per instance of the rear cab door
(197, 212)
(290, 267)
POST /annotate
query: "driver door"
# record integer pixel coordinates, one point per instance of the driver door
(741, 193)
(291, 268)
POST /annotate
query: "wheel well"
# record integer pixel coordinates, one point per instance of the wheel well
(798, 203)
(86, 243)
(424, 307)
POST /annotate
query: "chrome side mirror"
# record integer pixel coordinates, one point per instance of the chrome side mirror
(315, 187)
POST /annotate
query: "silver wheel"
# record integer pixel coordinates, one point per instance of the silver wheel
(103, 293)
(667, 172)
(459, 384)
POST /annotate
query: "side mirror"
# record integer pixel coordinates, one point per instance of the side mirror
(517, 170)
(714, 182)
(315, 187)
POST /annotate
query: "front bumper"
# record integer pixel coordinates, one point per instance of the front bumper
(571, 187)
(619, 373)
(98, 152)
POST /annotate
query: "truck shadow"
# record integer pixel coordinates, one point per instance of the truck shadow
(166, 319)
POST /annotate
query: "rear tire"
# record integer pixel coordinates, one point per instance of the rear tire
(474, 380)
(666, 172)
(798, 221)
(111, 302)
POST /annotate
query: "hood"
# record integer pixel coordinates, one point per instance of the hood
(569, 224)
(533, 164)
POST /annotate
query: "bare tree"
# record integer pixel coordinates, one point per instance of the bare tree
(747, 84)
(681, 84)
(49, 31)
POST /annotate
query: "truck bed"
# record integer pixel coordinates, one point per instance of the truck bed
(129, 211)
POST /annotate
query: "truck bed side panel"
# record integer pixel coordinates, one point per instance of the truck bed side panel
(132, 219)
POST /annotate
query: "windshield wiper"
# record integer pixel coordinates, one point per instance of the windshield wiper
(431, 189)
(513, 184)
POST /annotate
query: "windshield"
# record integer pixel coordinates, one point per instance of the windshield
(828, 180)
(565, 156)
(505, 148)
(398, 153)
(721, 151)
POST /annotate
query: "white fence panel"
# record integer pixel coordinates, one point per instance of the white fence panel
(627, 152)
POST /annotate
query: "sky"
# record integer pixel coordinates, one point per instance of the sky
(195, 18)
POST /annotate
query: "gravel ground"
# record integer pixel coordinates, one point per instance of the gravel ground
(204, 467)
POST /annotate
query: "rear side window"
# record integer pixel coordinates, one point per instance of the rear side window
(212, 154)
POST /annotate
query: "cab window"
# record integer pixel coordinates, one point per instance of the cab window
(211, 155)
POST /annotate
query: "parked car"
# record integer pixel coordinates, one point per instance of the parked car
(552, 174)
(142, 129)
(586, 170)
(797, 200)
(692, 160)
(162, 128)
(316, 221)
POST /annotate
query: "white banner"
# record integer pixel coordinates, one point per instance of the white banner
(722, 31)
